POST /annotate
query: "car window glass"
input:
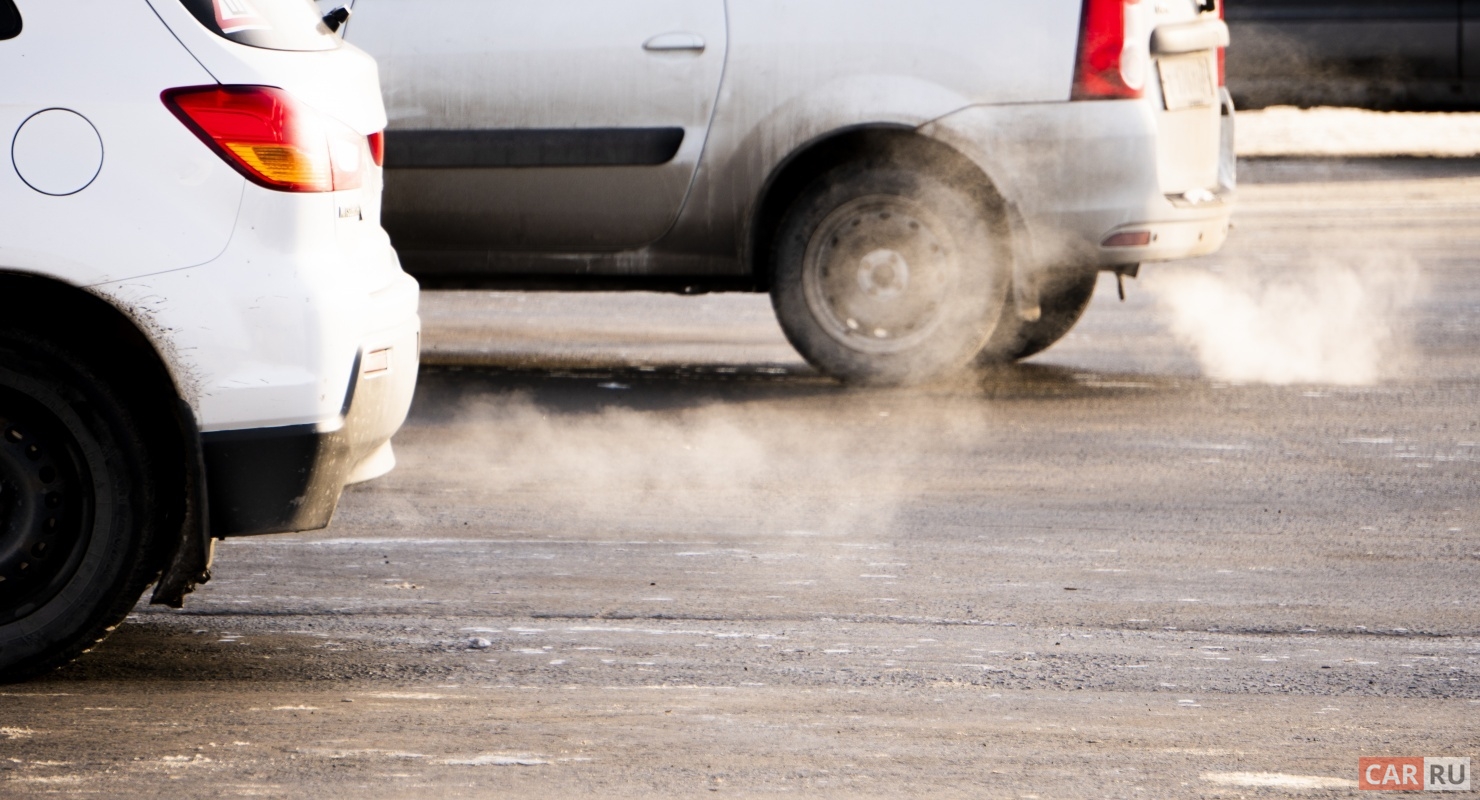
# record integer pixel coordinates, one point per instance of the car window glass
(269, 24)
(10, 20)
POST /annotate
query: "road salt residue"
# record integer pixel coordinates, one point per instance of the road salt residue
(1277, 780)
(493, 760)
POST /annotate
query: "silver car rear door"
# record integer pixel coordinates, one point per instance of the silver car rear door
(545, 125)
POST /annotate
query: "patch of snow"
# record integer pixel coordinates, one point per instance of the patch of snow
(1288, 131)
(1278, 780)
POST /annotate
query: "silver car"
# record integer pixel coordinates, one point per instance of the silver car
(916, 184)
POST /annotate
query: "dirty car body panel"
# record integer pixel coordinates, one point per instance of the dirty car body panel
(584, 138)
(992, 79)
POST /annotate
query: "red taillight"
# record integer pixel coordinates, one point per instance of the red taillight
(1222, 54)
(1112, 62)
(377, 147)
(271, 138)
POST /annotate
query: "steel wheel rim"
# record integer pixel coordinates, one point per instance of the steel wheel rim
(879, 273)
(46, 505)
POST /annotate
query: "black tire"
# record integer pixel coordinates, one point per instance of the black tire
(76, 503)
(1063, 298)
(887, 275)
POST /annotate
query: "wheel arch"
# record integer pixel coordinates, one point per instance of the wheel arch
(884, 141)
(121, 353)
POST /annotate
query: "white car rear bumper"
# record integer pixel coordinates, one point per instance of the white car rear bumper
(298, 352)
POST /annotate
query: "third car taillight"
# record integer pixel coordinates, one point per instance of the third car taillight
(1114, 51)
(377, 148)
(1222, 53)
(273, 139)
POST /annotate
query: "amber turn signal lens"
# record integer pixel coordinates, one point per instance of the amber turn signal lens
(271, 138)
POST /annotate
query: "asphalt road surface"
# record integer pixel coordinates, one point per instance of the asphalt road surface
(636, 548)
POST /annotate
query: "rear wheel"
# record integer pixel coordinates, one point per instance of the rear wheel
(1063, 298)
(75, 503)
(885, 275)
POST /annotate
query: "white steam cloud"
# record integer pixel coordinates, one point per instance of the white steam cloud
(1336, 324)
(742, 466)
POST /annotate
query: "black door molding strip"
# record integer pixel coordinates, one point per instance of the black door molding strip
(531, 147)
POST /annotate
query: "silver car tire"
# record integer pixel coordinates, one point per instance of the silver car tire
(888, 276)
(1063, 299)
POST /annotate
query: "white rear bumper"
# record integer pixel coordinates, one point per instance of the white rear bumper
(268, 334)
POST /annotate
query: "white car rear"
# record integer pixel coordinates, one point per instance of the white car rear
(207, 332)
(702, 145)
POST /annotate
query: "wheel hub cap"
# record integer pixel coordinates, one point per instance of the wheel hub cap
(883, 274)
(878, 271)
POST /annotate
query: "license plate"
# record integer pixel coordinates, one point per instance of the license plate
(1187, 81)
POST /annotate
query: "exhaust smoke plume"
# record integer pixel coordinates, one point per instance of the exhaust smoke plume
(722, 466)
(1331, 324)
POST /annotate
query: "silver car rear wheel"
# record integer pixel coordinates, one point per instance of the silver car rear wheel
(878, 272)
(883, 275)
(1063, 297)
